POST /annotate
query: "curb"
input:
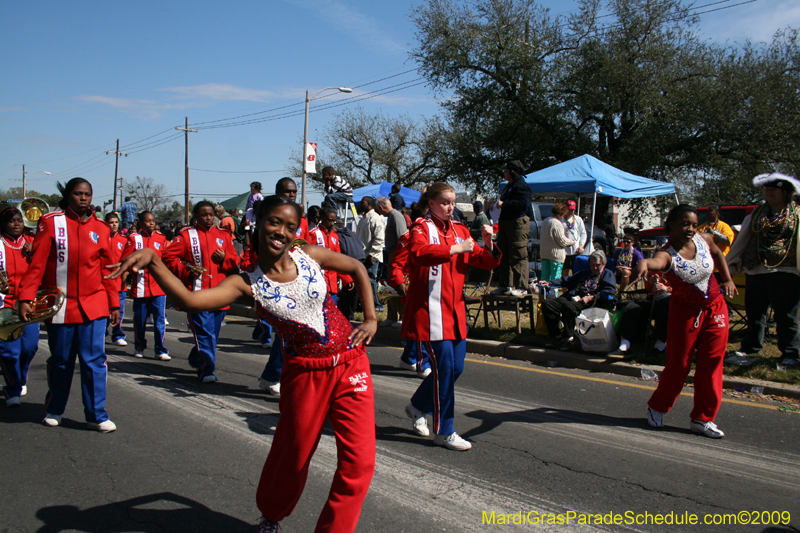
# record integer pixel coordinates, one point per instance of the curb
(546, 356)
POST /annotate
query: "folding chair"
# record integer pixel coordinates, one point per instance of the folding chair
(736, 303)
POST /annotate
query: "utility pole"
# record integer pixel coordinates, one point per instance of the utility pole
(23, 182)
(121, 195)
(116, 170)
(25, 179)
(186, 132)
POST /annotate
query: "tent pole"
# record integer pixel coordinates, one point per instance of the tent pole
(676, 199)
(579, 204)
(591, 222)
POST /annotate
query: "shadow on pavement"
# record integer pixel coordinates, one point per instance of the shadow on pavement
(155, 513)
(542, 415)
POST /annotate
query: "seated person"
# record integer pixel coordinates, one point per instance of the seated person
(636, 315)
(626, 258)
(585, 289)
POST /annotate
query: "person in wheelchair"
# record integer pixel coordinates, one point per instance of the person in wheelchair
(636, 316)
(587, 288)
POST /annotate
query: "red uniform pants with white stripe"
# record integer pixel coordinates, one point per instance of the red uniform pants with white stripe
(309, 396)
(690, 329)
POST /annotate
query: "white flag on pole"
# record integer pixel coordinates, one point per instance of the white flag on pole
(310, 158)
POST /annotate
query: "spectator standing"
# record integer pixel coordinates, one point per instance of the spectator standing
(514, 225)
(254, 196)
(372, 232)
(398, 202)
(554, 243)
(611, 231)
(129, 212)
(721, 232)
(480, 220)
(395, 228)
(337, 189)
(575, 229)
(767, 250)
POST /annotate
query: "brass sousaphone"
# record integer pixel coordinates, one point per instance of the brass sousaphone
(32, 210)
(47, 303)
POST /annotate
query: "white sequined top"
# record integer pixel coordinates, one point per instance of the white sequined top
(692, 280)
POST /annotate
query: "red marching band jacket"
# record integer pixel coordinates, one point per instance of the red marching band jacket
(398, 267)
(142, 283)
(330, 240)
(195, 245)
(118, 242)
(14, 260)
(436, 280)
(72, 256)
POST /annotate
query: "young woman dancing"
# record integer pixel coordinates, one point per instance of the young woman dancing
(698, 320)
(326, 372)
(440, 251)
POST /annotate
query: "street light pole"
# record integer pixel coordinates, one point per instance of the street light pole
(305, 133)
(117, 153)
(25, 179)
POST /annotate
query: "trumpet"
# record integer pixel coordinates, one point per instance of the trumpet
(46, 304)
(197, 269)
(386, 292)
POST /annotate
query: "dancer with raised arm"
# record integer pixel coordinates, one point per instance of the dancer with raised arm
(326, 372)
(698, 320)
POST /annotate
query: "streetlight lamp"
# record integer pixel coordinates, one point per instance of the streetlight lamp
(305, 132)
(24, 181)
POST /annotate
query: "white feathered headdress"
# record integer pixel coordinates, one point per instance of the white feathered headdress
(779, 181)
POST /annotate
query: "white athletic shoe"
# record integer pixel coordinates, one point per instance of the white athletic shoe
(452, 442)
(407, 366)
(655, 418)
(12, 402)
(272, 387)
(418, 421)
(709, 429)
(24, 390)
(210, 379)
(52, 420)
(163, 357)
(398, 325)
(514, 292)
(120, 342)
(266, 345)
(424, 373)
(103, 427)
(138, 355)
(268, 526)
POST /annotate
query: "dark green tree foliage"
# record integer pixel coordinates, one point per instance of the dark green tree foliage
(627, 81)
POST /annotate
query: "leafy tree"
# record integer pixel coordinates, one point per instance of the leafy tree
(628, 81)
(147, 195)
(166, 214)
(15, 193)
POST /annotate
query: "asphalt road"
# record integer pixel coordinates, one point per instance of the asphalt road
(187, 456)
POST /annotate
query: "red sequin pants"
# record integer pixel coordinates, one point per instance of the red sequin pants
(308, 396)
(690, 329)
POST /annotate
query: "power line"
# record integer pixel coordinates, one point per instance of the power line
(238, 171)
(157, 143)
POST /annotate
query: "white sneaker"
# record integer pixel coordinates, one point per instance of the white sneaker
(166, 322)
(407, 366)
(266, 345)
(163, 357)
(708, 429)
(452, 442)
(24, 390)
(120, 342)
(138, 355)
(418, 422)
(398, 325)
(12, 402)
(424, 373)
(210, 379)
(518, 292)
(739, 353)
(103, 427)
(272, 387)
(51, 420)
(386, 323)
(655, 418)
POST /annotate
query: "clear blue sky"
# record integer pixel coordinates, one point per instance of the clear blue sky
(78, 75)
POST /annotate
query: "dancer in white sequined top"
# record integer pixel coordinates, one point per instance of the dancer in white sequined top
(326, 372)
(698, 320)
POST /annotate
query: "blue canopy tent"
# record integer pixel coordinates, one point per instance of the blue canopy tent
(384, 188)
(588, 175)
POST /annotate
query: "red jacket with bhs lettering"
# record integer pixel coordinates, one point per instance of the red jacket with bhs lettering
(14, 260)
(196, 242)
(330, 240)
(118, 242)
(72, 255)
(142, 283)
(435, 297)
